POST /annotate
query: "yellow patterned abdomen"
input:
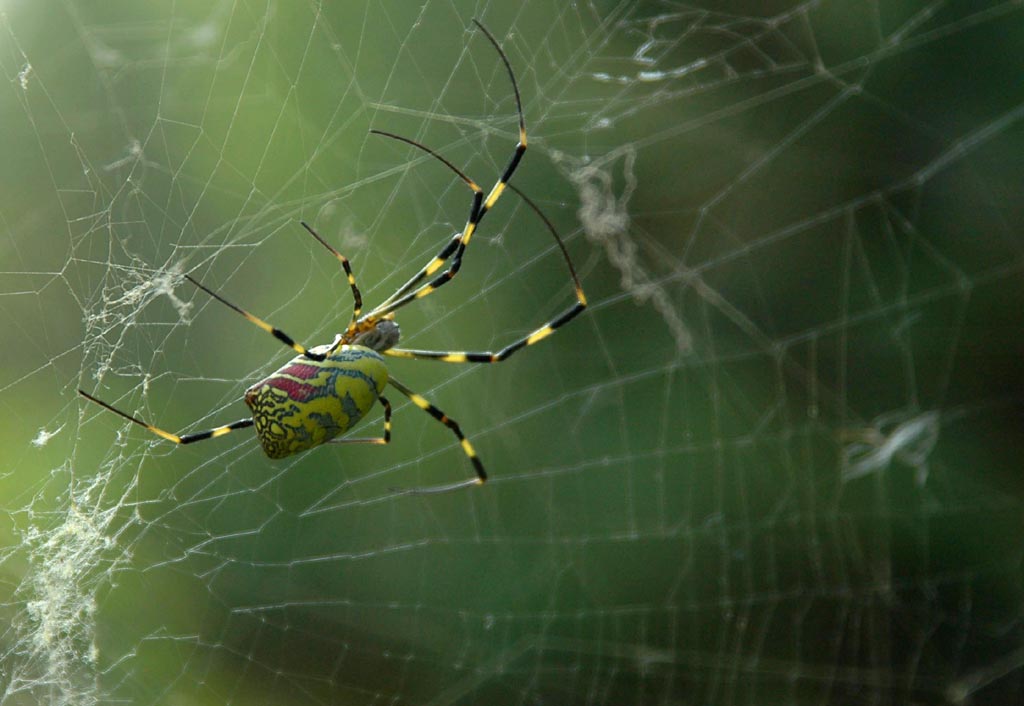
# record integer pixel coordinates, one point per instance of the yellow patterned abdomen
(307, 402)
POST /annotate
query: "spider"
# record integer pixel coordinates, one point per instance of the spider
(324, 391)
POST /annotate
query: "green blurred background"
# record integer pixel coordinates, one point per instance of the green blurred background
(776, 461)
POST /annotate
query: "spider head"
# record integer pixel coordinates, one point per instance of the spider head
(383, 335)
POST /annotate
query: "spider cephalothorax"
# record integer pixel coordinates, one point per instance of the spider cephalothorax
(379, 335)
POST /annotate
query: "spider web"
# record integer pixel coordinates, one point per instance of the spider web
(776, 461)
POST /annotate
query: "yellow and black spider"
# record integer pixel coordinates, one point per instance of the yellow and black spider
(326, 390)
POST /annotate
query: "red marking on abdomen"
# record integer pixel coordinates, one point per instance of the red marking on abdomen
(300, 370)
(298, 391)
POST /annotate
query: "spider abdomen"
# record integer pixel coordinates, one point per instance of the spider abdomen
(308, 402)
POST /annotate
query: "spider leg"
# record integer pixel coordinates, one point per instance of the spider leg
(479, 209)
(376, 440)
(398, 299)
(490, 356)
(528, 340)
(429, 269)
(275, 332)
(357, 306)
(513, 162)
(467, 448)
(183, 439)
